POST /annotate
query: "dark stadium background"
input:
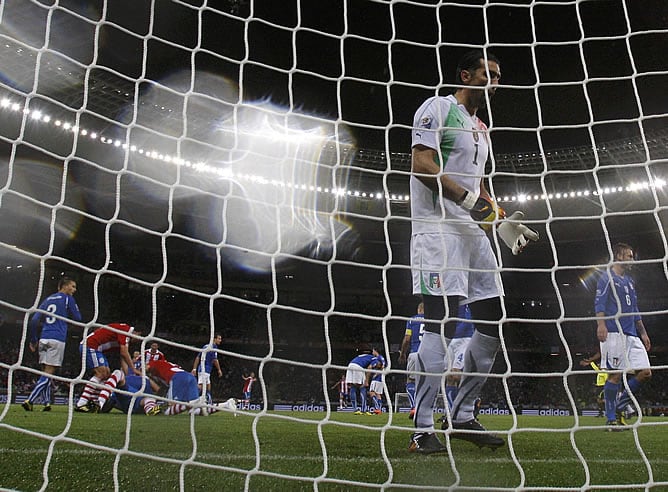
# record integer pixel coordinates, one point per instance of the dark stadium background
(552, 280)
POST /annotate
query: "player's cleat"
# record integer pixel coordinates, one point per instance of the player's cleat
(624, 416)
(411, 414)
(614, 426)
(83, 408)
(27, 406)
(358, 412)
(621, 418)
(426, 443)
(93, 407)
(444, 422)
(378, 411)
(368, 413)
(47, 408)
(474, 432)
(229, 404)
(156, 410)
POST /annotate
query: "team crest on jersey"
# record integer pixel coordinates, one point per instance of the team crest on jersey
(434, 281)
(425, 122)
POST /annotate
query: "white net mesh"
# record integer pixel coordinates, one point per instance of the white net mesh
(242, 166)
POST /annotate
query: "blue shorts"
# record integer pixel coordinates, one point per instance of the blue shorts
(133, 384)
(94, 358)
(183, 387)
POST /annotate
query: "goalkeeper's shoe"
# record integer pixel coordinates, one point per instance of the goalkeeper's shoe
(474, 432)
(621, 418)
(426, 443)
(614, 426)
(83, 408)
(47, 408)
(156, 410)
(27, 406)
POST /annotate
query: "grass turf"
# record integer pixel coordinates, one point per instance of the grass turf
(286, 451)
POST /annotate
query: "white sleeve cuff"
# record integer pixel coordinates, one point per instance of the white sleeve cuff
(469, 200)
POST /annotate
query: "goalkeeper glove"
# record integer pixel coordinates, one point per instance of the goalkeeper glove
(514, 234)
(482, 210)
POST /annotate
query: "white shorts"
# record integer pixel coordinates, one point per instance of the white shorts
(203, 378)
(456, 350)
(411, 365)
(355, 374)
(454, 265)
(621, 351)
(376, 387)
(51, 352)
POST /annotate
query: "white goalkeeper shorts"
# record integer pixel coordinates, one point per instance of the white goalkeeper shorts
(51, 352)
(376, 387)
(623, 352)
(203, 378)
(456, 351)
(454, 265)
(355, 374)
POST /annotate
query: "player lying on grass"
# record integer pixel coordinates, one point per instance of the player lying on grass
(137, 396)
(181, 386)
(133, 402)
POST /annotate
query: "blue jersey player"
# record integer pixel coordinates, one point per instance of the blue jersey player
(621, 333)
(52, 318)
(138, 399)
(457, 351)
(204, 364)
(408, 352)
(358, 380)
(376, 388)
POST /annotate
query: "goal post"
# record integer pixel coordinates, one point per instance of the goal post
(402, 403)
(241, 167)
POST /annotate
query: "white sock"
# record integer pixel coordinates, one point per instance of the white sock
(479, 358)
(431, 359)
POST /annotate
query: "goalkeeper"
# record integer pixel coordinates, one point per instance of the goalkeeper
(452, 260)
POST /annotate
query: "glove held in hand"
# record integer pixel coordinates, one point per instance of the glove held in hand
(514, 234)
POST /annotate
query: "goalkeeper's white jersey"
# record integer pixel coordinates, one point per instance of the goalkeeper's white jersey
(460, 141)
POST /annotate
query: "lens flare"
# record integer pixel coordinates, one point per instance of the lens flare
(27, 206)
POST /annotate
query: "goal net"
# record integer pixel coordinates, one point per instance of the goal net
(241, 167)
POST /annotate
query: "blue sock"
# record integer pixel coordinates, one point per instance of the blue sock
(451, 394)
(410, 389)
(363, 393)
(610, 395)
(47, 393)
(209, 398)
(353, 398)
(376, 403)
(625, 397)
(39, 389)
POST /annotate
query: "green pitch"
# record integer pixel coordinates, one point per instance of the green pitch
(290, 451)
